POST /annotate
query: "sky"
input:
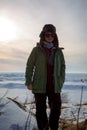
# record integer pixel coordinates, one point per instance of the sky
(21, 22)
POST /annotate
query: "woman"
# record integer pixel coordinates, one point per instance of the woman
(45, 75)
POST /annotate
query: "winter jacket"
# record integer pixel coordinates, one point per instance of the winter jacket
(36, 70)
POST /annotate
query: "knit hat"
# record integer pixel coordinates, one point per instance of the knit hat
(49, 28)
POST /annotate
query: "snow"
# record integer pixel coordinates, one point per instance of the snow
(12, 117)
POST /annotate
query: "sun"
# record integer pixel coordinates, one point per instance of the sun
(8, 30)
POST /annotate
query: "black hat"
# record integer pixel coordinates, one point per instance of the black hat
(49, 28)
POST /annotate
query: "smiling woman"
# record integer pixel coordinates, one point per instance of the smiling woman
(7, 29)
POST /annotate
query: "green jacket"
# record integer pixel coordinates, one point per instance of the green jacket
(36, 70)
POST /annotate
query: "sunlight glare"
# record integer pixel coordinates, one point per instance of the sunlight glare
(7, 29)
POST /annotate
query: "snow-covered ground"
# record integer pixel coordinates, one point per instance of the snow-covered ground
(12, 117)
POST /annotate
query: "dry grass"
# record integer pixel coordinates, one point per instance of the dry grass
(67, 126)
(81, 104)
(64, 125)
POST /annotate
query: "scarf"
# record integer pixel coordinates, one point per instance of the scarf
(48, 45)
(49, 48)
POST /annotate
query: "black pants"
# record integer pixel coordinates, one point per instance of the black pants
(54, 101)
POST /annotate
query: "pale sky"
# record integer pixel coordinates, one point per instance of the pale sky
(21, 22)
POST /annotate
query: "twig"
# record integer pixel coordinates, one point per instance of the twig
(79, 108)
(28, 121)
(4, 95)
(73, 115)
(22, 106)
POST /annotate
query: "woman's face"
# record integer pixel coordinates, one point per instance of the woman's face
(49, 37)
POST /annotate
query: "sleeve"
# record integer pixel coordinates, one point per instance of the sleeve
(63, 67)
(30, 67)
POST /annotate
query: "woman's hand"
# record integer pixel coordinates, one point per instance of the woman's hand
(30, 87)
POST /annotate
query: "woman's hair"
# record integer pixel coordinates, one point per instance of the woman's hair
(49, 28)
